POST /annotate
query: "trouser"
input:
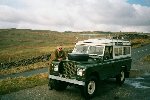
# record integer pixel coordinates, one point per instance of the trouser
(60, 68)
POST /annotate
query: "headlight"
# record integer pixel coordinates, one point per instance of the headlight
(80, 72)
(55, 67)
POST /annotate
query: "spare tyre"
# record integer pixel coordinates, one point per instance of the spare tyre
(78, 57)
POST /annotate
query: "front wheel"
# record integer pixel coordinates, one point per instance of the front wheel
(121, 77)
(90, 87)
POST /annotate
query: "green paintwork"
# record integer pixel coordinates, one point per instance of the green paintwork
(101, 68)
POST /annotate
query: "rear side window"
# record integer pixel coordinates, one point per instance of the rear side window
(118, 51)
(122, 51)
(126, 50)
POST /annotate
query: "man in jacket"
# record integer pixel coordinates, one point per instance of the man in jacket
(60, 54)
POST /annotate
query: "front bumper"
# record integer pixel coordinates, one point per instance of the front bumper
(73, 81)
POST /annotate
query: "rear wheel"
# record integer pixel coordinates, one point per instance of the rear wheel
(121, 77)
(90, 87)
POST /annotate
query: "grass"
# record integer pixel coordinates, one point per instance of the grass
(12, 85)
(24, 68)
(139, 42)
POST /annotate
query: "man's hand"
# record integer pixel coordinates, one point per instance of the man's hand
(59, 59)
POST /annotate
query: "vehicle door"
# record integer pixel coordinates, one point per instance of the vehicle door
(107, 68)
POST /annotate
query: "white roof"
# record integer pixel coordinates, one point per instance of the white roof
(103, 41)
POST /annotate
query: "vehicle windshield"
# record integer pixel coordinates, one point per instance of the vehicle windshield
(84, 49)
(96, 50)
(81, 49)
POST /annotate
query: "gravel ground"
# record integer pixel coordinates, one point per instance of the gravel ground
(42, 93)
(133, 89)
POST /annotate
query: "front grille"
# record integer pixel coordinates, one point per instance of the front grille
(70, 69)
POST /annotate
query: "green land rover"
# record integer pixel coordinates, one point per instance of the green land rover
(92, 60)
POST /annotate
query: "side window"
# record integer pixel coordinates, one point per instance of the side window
(126, 50)
(118, 51)
(122, 51)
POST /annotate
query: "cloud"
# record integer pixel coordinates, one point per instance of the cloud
(77, 15)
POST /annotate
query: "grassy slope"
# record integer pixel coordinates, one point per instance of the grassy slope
(19, 44)
(11, 85)
(140, 42)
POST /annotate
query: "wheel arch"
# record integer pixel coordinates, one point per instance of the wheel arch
(95, 74)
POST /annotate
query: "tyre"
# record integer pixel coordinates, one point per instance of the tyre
(59, 85)
(121, 77)
(90, 88)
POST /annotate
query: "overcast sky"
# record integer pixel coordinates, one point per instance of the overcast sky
(76, 15)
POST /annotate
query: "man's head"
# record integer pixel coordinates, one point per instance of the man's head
(59, 48)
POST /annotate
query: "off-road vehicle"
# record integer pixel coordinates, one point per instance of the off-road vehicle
(92, 60)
